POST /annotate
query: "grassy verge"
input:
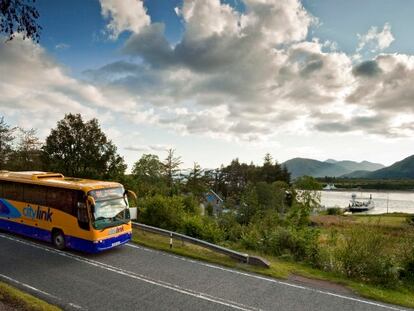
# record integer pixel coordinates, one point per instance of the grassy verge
(279, 268)
(19, 300)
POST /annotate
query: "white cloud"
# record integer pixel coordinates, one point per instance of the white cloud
(129, 15)
(376, 40)
(62, 46)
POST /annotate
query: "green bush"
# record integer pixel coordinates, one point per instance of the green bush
(201, 228)
(410, 220)
(162, 212)
(362, 254)
(191, 205)
(334, 211)
(232, 230)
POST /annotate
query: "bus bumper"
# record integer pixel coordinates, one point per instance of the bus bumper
(99, 245)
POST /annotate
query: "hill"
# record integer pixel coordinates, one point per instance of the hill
(403, 169)
(302, 166)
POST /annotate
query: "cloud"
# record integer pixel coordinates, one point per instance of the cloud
(125, 15)
(148, 148)
(240, 76)
(248, 75)
(368, 68)
(62, 46)
(376, 40)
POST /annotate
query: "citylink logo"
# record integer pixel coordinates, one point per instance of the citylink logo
(39, 213)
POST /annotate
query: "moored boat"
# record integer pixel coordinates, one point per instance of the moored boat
(360, 206)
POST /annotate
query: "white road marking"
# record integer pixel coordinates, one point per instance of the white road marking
(134, 275)
(267, 279)
(5, 277)
(36, 290)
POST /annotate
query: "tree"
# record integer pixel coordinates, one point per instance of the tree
(171, 167)
(19, 16)
(196, 183)
(27, 155)
(147, 172)
(6, 139)
(81, 149)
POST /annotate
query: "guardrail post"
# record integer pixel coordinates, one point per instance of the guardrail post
(171, 237)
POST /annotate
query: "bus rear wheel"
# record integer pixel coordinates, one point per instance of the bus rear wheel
(58, 239)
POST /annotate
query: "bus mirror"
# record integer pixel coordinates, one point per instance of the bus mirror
(132, 193)
(90, 201)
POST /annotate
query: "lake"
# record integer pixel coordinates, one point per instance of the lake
(398, 201)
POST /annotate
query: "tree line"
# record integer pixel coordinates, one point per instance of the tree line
(79, 148)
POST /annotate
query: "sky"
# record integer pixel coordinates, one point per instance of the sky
(219, 80)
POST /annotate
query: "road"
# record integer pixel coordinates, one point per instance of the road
(136, 278)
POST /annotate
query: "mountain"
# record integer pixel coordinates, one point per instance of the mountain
(302, 166)
(357, 174)
(399, 170)
(360, 166)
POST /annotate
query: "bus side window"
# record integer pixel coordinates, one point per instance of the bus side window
(35, 194)
(13, 191)
(61, 199)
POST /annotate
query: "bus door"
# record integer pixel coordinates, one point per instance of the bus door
(83, 214)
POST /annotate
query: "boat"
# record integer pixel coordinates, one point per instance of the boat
(360, 206)
(329, 187)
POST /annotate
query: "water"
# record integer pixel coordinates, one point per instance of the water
(398, 201)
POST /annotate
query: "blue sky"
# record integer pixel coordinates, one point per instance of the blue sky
(219, 80)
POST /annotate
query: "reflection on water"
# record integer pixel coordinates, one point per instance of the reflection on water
(398, 202)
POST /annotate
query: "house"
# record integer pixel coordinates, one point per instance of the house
(214, 200)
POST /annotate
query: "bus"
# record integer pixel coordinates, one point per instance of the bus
(75, 213)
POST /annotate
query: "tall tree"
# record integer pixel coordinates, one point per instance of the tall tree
(81, 149)
(19, 16)
(148, 168)
(147, 174)
(6, 139)
(171, 166)
(27, 155)
(196, 182)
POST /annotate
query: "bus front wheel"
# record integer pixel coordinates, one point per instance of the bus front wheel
(58, 239)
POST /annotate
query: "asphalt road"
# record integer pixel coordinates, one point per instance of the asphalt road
(136, 278)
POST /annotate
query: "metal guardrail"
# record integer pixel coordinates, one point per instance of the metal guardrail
(242, 257)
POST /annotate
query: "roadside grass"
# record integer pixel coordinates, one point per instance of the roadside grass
(283, 269)
(390, 220)
(19, 300)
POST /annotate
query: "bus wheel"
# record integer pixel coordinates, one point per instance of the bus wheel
(58, 239)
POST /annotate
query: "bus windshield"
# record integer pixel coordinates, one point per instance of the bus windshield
(111, 208)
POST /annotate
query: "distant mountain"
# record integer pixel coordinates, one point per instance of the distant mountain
(360, 166)
(356, 174)
(302, 166)
(399, 170)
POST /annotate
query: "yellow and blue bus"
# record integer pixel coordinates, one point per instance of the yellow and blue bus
(81, 214)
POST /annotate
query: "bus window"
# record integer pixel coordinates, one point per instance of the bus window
(61, 199)
(12, 191)
(35, 194)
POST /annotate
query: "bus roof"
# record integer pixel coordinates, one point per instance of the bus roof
(56, 180)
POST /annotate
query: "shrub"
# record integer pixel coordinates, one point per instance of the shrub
(362, 254)
(163, 212)
(410, 220)
(334, 211)
(201, 228)
(232, 230)
(191, 205)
